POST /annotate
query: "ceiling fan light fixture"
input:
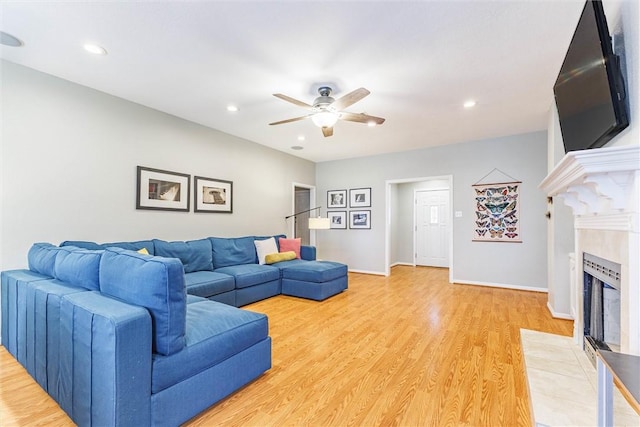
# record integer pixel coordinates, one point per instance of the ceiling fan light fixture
(324, 119)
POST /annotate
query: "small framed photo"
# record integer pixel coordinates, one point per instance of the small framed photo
(162, 190)
(360, 219)
(336, 199)
(360, 198)
(212, 195)
(337, 219)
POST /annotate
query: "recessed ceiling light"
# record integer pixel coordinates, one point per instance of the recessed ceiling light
(297, 147)
(9, 40)
(232, 108)
(469, 104)
(95, 49)
(301, 138)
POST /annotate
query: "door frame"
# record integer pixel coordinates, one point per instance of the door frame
(387, 223)
(415, 220)
(312, 201)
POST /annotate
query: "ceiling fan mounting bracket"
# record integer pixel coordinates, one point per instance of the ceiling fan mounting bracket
(322, 102)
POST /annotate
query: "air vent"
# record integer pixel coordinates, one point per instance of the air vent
(605, 270)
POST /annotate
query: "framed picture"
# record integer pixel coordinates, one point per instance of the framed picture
(212, 195)
(162, 190)
(337, 219)
(360, 219)
(336, 199)
(360, 198)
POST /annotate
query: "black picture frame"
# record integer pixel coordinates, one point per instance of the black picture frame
(212, 195)
(360, 197)
(337, 220)
(336, 199)
(162, 190)
(360, 220)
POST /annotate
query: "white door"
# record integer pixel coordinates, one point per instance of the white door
(432, 228)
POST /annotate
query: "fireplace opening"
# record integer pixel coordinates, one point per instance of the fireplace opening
(601, 305)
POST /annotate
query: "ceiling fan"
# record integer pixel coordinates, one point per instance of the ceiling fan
(326, 110)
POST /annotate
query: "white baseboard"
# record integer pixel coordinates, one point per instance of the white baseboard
(501, 285)
(376, 273)
(402, 263)
(557, 315)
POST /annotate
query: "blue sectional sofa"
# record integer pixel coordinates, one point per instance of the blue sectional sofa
(227, 270)
(120, 338)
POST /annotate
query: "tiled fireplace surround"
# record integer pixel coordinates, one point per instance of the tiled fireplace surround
(602, 187)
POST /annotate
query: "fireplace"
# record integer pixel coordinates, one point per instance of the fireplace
(602, 187)
(601, 305)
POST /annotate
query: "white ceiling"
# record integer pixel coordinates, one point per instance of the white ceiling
(420, 59)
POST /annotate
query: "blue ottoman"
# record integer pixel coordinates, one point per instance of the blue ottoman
(316, 280)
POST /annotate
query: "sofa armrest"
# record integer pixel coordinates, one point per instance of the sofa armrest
(308, 253)
(105, 351)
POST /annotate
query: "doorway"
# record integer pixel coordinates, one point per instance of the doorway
(401, 223)
(303, 198)
(431, 233)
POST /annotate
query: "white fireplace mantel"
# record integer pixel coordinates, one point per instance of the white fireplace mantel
(602, 187)
(595, 182)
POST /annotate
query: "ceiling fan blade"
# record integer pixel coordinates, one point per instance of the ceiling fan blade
(349, 99)
(327, 131)
(361, 118)
(295, 119)
(293, 101)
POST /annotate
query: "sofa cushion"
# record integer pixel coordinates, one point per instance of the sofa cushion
(208, 283)
(308, 253)
(80, 267)
(291, 245)
(233, 251)
(251, 274)
(155, 283)
(315, 271)
(195, 255)
(82, 244)
(42, 257)
(215, 332)
(264, 248)
(132, 246)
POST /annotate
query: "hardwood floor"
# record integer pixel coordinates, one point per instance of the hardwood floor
(407, 350)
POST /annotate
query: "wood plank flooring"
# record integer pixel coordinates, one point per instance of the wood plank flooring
(406, 350)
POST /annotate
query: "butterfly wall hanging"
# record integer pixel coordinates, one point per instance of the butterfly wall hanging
(497, 212)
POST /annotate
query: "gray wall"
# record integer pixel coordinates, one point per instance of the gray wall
(510, 264)
(69, 157)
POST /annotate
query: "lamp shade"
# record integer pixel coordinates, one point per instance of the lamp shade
(319, 223)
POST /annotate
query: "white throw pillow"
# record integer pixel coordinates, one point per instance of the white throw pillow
(265, 247)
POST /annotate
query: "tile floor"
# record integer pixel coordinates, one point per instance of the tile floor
(563, 383)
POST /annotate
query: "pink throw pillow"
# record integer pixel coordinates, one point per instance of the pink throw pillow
(290, 245)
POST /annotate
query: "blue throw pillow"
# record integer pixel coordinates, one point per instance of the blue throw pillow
(155, 283)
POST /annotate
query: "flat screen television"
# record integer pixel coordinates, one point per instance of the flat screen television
(589, 90)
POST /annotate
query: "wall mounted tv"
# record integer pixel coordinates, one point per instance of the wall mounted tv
(589, 90)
